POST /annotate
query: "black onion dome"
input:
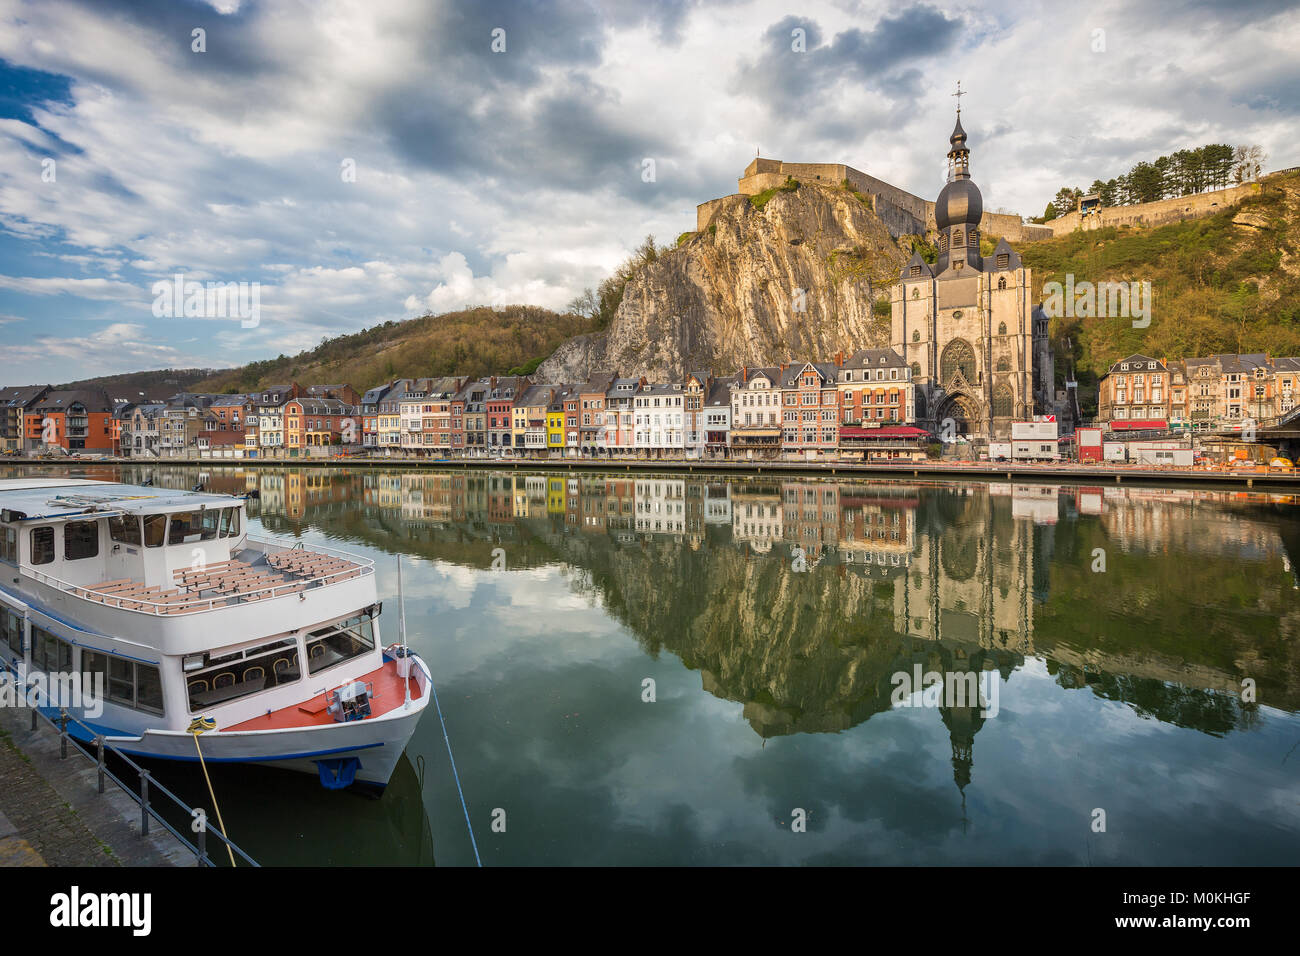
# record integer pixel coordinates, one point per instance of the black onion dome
(958, 137)
(959, 203)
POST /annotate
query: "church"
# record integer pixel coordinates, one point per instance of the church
(968, 325)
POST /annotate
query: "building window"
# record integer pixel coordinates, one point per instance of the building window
(1003, 402)
(9, 545)
(957, 357)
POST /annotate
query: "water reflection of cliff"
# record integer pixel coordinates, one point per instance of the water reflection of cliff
(801, 598)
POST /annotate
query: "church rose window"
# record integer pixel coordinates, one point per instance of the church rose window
(957, 356)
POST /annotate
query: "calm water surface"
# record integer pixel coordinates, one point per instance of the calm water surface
(1113, 629)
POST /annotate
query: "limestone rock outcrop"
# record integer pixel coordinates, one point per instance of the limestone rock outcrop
(790, 278)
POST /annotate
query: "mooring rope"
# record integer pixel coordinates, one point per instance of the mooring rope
(197, 726)
(474, 843)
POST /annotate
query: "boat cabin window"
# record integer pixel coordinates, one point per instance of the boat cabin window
(42, 545)
(9, 544)
(191, 526)
(218, 678)
(338, 643)
(129, 683)
(80, 540)
(11, 623)
(49, 653)
(124, 529)
(155, 530)
(229, 522)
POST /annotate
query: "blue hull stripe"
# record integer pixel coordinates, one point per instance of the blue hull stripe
(266, 759)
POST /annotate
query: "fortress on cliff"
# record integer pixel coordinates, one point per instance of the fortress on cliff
(904, 214)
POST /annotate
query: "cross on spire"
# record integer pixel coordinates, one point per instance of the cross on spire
(959, 94)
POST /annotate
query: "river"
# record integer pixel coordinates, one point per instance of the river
(661, 669)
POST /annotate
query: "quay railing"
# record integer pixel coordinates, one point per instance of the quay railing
(148, 787)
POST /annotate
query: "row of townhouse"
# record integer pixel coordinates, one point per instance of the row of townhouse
(801, 409)
(1220, 390)
(39, 418)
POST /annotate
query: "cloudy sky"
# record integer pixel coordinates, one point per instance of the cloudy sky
(378, 159)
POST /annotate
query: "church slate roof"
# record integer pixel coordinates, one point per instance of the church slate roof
(1004, 249)
(914, 262)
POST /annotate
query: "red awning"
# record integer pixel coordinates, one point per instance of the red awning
(890, 431)
(1137, 425)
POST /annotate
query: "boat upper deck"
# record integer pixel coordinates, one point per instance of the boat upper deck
(262, 570)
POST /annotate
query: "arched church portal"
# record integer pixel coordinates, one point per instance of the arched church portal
(964, 413)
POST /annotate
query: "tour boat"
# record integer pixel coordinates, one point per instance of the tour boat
(200, 634)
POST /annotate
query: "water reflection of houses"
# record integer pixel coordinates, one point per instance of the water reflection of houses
(877, 527)
(756, 516)
(661, 506)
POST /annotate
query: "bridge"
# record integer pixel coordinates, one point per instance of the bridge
(1281, 431)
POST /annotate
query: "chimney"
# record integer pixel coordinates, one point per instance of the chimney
(839, 359)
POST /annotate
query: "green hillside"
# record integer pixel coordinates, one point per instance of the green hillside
(474, 342)
(1225, 283)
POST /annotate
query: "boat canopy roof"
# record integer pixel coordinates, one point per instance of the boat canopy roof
(25, 499)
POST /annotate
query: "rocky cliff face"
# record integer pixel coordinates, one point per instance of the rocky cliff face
(794, 277)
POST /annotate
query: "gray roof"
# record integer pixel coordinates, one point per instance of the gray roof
(916, 260)
(875, 358)
(1004, 248)
(377, 394)
(21, 395)
(720, 391)
(790, 377)
(94, 399)
(747, 374)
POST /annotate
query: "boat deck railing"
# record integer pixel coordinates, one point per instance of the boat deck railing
(148, 789)
(297, 569)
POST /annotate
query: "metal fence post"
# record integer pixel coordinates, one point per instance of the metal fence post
(203, 846)
(144, 803)
(63, 735)
(99, 741)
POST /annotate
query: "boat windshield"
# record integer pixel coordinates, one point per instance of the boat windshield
(190, 526)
